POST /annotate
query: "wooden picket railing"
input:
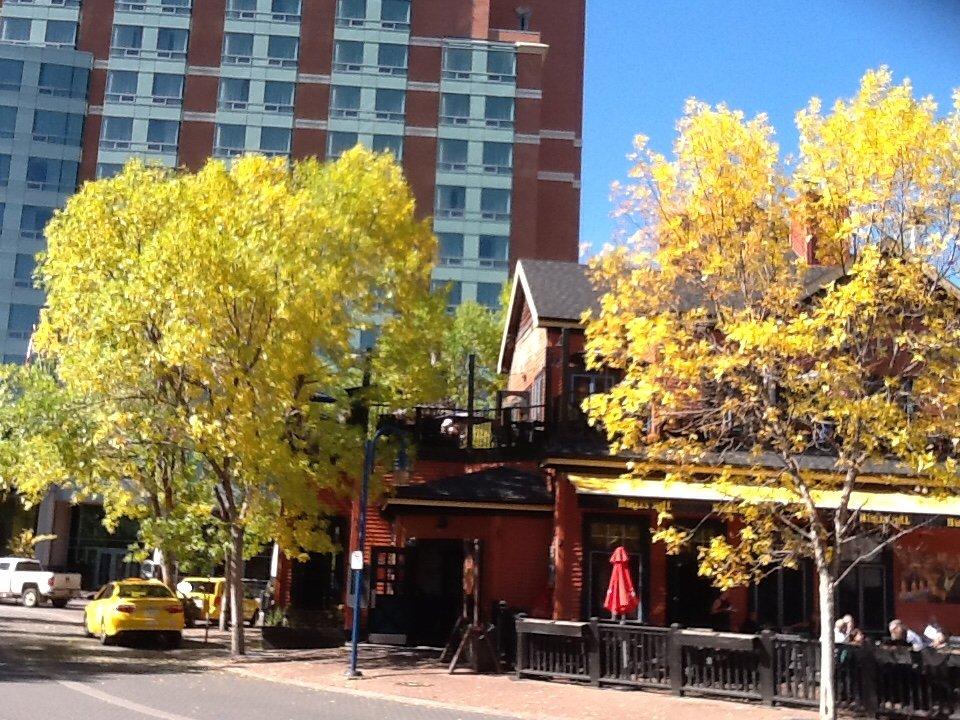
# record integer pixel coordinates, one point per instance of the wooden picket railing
(872, 680)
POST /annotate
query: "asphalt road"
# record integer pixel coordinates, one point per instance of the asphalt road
(48, 669)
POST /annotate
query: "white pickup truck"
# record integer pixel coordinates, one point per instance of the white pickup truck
(23, 578)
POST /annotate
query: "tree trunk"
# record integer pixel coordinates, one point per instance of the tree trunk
(225, 600)
(168, 568)
(828, 700)
(236, 591)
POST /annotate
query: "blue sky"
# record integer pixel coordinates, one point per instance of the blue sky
(645, 57)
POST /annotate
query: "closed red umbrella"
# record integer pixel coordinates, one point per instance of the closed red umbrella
(621, 597)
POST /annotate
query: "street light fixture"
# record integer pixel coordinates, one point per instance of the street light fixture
(356, 557)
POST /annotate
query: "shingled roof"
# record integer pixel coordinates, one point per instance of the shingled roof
(558, 290)
(491, 486)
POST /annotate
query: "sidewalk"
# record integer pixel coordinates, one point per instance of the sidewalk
(416, 677)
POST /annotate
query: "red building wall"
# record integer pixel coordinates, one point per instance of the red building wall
(926, 565)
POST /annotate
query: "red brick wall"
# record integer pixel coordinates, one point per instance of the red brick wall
(316, 37)
(450, 18)
(206, 37)
(568, 549)
(96, 26)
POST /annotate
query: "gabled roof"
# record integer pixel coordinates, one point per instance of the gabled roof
(557, 293)
(489, 487)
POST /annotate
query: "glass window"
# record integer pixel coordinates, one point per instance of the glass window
(33, 220)
(57, 127)
(452, 154)
(60, 32)
(177, 7)
(282, 50)
(12, 360)
(171, 42)
(488, 294)
(168, 86)
(8, 121)
(395, 12)
(501, 64)
(275, 140)
(278, 96)
(390, 104)
(368, 338)
(237, 47)
(162, 135)
(143, 590)
(451, 248)
(388, 143)
(348, 56)
(241, 8)
(453, 288)
(234, 93)
(117, 132)
(128, 37)
(392, 58)
(494, 249)
(339, 142)
(454, 108)
(458, 62)
(15, 29)
(451, 200)
(231, 139)
(55, 79)
(122, 85)
(287, 9)
(108, 170)
(23, 267)
(345, 100)
(497, 157)
(11, 74)
(51, 174)
(498, 111)
(495, 203)
(4, 169)
(352, 10)
(29, 566)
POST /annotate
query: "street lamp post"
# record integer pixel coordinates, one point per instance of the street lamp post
(356, 559)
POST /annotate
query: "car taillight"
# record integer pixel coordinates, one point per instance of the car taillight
(126, 608)
(50, 581)
(175, 609)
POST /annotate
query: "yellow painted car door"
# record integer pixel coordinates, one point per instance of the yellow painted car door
(95, 609)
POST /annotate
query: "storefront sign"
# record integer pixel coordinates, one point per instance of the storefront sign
(640, 504)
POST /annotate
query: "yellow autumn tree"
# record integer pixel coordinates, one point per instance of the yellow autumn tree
(216, 307)
(820, 381)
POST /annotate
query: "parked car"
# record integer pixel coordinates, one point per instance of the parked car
(207, 595)
(134, 606)
(25, 579)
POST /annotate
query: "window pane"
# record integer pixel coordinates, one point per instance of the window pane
(23, 268)
(352, 9)
(451, 197)
(238, 44)
(348, 52)
(122, 82)
(458, 59)
(127, 36)
(345, 97)
(285, 7)
(57, 127)
(21, 320)
(234, 90)
(397, 11)
(495, 201)
(4, 169)
(172, 40)
(451, 246)
(55, 79)
(15, 29)
(163, 132)
(231, 137)
(279, 93)
(499, 109)
(245, 6)
(275, 140)
(453, 288)
(167, 85)
(60, 32)
(453, 153)
(42, 173)
(390, 101)
(497, 155)
(455, 105)
(488, 294)
(392, 56)
(117, 128)
(32, 221)
(494, 247)
(8, 121)
(11, 74)
(108, 170)
(388, 143)
(501, 62)
(282, 47)
(339, 142)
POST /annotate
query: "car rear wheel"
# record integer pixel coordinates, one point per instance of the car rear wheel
(60, 602)
(173, 640)
(30, 598)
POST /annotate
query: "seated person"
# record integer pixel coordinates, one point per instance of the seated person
(900, 634)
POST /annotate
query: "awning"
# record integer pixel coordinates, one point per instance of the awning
(881, 503)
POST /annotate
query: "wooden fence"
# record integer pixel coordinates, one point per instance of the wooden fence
(872, 680)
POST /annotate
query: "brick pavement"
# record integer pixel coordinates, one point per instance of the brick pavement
(416, 677)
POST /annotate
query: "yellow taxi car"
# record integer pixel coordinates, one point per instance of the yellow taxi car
(207, 596)
(134, 606)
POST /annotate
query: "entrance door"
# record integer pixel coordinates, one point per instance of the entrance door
(389, 603)
(435, 590)
(690, 596)
(603, 536)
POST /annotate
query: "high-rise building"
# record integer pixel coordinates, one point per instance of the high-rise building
(480, 100)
